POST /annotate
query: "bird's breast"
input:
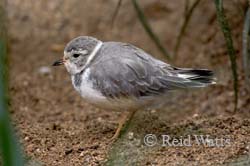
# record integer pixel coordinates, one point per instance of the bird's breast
(84, 86)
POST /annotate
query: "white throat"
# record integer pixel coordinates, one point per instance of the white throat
(93, 53)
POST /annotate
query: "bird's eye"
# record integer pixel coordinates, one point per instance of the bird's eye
(76, 55)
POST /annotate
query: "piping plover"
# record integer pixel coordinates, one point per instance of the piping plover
(120, 76)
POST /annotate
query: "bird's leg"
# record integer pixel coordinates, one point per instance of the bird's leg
(122, 122)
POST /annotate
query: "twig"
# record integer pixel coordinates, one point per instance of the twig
(246, 48)
(116, 13)
(149, 30)
(230, 48)
(188, 14)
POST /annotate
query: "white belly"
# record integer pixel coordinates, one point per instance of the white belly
(86, 89)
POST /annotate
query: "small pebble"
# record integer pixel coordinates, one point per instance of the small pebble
(38, 150)
(99, 119)
(25, 83)
(195, 115)
(44, 70)
(130, 135)
(153, 111)
(82, 154)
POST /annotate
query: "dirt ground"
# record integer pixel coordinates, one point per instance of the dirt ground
(57, 127)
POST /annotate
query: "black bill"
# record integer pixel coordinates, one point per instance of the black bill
(58, 63)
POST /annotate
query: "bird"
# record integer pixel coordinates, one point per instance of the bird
(120, 76)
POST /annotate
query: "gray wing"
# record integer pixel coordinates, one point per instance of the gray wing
(122, 70)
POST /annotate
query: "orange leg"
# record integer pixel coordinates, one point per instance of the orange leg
(122, 122)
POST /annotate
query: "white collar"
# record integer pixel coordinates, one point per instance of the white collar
(93, 54)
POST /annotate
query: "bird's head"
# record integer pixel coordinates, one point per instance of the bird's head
(77, 52)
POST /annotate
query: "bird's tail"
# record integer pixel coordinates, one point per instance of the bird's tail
(197, 77)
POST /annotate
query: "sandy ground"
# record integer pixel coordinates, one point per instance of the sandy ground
(57, 127)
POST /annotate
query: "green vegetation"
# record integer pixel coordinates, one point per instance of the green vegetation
(229, 42)
(246, 48)
(10, 151)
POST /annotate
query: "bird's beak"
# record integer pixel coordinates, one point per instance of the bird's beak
(58, 62)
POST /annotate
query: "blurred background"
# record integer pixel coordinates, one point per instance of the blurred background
(56, 127)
